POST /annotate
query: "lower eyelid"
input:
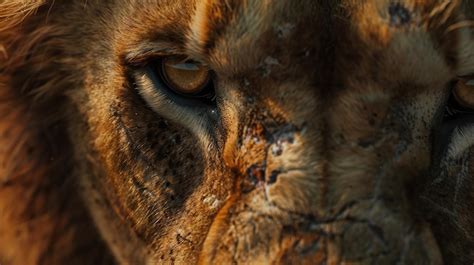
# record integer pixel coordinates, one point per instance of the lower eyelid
(146, 88)
(161, 100)
(200, 120)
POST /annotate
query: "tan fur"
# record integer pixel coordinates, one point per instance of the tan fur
(326, 148)
(42, 218)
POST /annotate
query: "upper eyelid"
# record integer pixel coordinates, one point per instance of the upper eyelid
(145, 52)
(145, 58)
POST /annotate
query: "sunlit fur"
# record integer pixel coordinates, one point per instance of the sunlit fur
(329, 147)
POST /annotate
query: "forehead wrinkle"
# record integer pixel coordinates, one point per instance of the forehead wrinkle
(253, 33)
(209, 23)
(237, 47)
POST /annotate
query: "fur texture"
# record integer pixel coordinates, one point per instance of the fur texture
(43, 220)
(327, 146)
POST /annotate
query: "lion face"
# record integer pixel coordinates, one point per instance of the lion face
(270, 131)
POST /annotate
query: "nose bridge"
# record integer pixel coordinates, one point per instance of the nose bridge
(278, 155)
(271, 209)
(297, 200)
(323, 163)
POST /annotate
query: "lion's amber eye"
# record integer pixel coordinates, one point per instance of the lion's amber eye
(185, 77)
(463, 92)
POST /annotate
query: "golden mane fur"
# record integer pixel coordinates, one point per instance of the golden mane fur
(38, 202)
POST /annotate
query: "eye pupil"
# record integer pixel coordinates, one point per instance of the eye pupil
(185, 77)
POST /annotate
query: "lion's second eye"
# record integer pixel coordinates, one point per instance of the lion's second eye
(463, 93)
(185, 77)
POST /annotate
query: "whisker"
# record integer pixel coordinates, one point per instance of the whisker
(443, 12)
(460, 25)
(440, 9)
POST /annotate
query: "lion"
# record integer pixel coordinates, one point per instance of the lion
(236, 132)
